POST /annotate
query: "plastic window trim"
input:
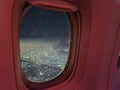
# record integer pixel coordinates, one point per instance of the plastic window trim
(74, 20)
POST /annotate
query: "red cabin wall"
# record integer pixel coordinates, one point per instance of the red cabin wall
(7, 75)
(98, 52)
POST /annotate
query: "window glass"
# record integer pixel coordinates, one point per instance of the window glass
(44, 44)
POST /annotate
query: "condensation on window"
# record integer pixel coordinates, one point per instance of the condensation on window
(44, 44)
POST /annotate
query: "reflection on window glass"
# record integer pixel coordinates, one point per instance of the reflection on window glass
(44, 44)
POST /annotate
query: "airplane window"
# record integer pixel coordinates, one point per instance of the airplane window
(44, 44)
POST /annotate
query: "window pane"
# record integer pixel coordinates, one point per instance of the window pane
(44, 44)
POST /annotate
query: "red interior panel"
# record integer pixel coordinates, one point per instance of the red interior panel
(97, 48)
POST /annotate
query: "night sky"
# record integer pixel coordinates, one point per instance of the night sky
(42, 23)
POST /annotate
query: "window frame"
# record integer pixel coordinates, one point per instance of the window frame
(74, 21)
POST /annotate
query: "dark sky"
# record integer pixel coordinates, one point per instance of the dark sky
(42, 23)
